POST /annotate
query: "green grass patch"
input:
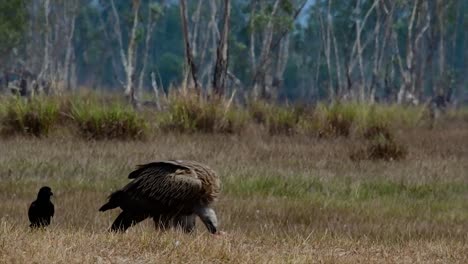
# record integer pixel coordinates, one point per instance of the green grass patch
(344, 189)
(193, 114)
(334, 120)
(35, 117)
(114, 121)
(278, 120)
(102, 116)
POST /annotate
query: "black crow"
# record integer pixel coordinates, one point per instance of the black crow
(42, 209)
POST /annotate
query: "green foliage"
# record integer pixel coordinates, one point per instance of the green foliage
(36, 117)
(156, 10)
(287, 6)
(115, 121)
(282, 20)
(13, 14)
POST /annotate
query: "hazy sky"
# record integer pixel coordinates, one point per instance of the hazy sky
(305, 14)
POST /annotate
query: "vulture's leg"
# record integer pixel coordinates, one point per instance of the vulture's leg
(162, 222)
(185, 222)
(125, 220)
(208, 217)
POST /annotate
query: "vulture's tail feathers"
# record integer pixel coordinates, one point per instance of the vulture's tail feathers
(114, 201)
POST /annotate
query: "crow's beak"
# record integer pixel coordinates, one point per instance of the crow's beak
(51, 194)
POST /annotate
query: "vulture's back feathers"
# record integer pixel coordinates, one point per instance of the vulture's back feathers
(171, 185)
(161, 167)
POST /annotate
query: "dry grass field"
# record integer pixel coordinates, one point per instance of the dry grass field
(286, 199)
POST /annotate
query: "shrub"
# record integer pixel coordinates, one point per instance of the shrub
(234, 121)
(377, 131)
(193, 114)
(335, 120)
(115, 121)
(397, 115)
(277, 119)
(282, 120)
(35, 117)
(380, 148)
(259, 111)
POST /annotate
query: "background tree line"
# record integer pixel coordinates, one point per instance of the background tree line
(297, 50)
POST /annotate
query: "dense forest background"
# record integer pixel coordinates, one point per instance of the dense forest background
(403, 51)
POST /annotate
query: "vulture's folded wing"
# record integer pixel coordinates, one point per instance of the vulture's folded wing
(168, 183)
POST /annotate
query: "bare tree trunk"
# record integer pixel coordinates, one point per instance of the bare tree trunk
(441, 7)
(362, 84)
(378, 50)
(283, 57)
(196, 23)
(263, 72)
(149, 33)
(129, 59)
(70, 49)
(408, 70)
(222, 59)
(388, 12)
(261, 69)
(213, 35)
(44, 74)
(326, 40)
(317, 71)
(118, 32)
(252, 36)
(458, 48)
(154, 84)
(337, 61)
(188, 50)
(356, 56)
(73, 77)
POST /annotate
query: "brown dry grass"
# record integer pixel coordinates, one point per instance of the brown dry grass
(285, 200)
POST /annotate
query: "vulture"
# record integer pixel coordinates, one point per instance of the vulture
(42, 209)
(171, 192)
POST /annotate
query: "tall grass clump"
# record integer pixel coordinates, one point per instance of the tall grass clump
(335, 120)
(114, 121)
(380, 149)
(191, 113)
(368, 115)
(380, 145)
(35, 117)
(282, 120)
(259, 111)
(278, 120)
(346, 119)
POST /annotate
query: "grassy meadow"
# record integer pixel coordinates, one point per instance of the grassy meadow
(333, 184)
